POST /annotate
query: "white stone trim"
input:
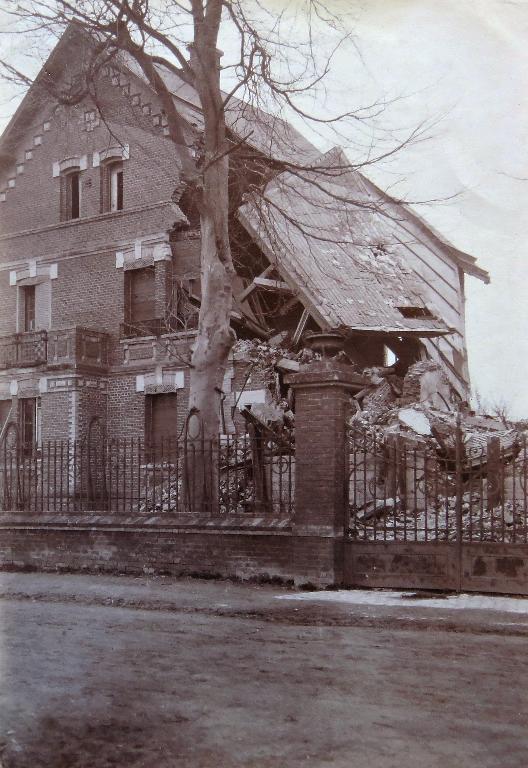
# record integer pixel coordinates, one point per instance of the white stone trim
(144, 251)
(162, 252)
(111, 153)
(160, 381)
(13, 388)
(34, 272)
(70, 164)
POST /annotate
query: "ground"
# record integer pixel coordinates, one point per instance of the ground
(162, 673)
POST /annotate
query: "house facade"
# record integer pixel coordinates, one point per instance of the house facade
(100, 273)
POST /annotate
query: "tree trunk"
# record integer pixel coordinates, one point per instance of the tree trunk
(215, 336)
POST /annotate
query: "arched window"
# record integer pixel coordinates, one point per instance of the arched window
(111, 162)
(69, 170)
(73, 183)
(115, 180)
(71, 195)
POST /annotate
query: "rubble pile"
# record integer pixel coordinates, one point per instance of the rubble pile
(236, 483)
(404, 463)
(505, 523)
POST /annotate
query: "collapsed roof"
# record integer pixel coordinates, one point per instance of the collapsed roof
(336, 239)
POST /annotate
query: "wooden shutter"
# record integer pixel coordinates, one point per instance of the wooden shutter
(161, 423)
(141, 294)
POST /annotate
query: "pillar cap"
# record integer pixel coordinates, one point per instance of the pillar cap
(326, 373)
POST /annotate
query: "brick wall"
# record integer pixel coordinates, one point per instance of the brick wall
(150, 175)
(152, 549)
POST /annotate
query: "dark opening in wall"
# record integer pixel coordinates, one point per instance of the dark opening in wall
(412, 312)
(70, 196)
(28, 298)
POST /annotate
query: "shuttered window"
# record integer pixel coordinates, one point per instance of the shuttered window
(161, 424)
(139, 299)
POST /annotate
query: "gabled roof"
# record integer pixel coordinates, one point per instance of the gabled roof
(332, 252)
(269, 134)
(334, 240)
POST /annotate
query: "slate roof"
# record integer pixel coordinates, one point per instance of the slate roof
(336, 255)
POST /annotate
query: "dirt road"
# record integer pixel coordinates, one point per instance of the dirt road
(201, 675)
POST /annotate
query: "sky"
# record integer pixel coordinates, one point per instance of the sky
(466, 61)
(462, 65)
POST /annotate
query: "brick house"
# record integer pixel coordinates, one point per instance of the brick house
(99, 259)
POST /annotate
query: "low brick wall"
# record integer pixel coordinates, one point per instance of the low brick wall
(485, 567)
(91, 542)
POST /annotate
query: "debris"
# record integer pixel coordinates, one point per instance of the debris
(415, 420)
(425, 382)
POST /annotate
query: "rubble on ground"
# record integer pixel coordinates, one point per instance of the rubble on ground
(404, 459)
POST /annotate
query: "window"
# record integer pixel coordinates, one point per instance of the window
(28, 298)
(112, 186)
(116, 187)
(29, 423)
(71, 195)
(161, 425)
(140, 302)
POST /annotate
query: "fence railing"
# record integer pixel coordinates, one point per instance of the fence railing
(474, 489)
(245, 474)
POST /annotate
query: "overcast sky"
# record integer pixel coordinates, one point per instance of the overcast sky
(464, 64)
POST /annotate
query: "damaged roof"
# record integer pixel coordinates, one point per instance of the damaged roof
(331, 240)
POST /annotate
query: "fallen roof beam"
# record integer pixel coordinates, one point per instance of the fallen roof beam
(272, 285)
(252, 286)
(301, 325)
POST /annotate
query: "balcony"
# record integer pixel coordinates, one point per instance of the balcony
(69, 348)
(24, 350)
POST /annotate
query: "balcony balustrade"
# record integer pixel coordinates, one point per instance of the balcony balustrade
(68, 348)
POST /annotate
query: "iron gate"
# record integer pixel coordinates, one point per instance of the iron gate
(449, 513)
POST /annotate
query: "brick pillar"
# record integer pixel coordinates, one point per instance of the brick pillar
(322, 405)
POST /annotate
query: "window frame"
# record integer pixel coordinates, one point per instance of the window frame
(29, 317)
(67, 197)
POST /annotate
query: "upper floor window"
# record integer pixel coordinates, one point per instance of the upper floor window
(71, 195)
(27, 293)
(140, 302)
(112, 162)
(69, 170)
(116, 197)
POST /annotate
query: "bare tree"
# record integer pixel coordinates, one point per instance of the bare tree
(277, 66)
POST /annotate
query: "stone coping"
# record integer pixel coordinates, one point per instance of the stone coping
(100, 520)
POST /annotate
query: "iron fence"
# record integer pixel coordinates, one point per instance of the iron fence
(246, 474)
(463, 487)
